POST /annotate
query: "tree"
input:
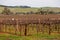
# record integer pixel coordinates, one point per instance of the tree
(6, 11)
(41, 11)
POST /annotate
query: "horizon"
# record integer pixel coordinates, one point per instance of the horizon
(31, 3)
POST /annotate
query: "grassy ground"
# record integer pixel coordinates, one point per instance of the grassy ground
(4, 36)
(20, 9)
(31, 9)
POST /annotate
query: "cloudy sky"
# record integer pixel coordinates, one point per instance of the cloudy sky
(33, 3)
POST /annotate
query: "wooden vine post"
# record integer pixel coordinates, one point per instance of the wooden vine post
(25, 33)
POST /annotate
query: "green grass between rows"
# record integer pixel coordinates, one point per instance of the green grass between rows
(32, 37)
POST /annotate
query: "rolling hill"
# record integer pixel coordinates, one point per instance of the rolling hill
(28, 9)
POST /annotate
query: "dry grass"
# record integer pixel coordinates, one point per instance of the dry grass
(20, 9)
(54, 9)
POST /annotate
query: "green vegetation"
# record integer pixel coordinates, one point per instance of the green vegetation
(33, 37)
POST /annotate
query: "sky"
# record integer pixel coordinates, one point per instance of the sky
(32, 3)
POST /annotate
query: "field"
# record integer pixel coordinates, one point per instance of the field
(10, 28)
(54, 9)
(20, 9)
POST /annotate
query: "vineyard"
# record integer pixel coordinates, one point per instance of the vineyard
(30, 24)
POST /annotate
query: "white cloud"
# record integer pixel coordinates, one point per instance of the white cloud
(34, 3)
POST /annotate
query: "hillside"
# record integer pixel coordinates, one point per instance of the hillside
(28, 9)
(20, 9)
